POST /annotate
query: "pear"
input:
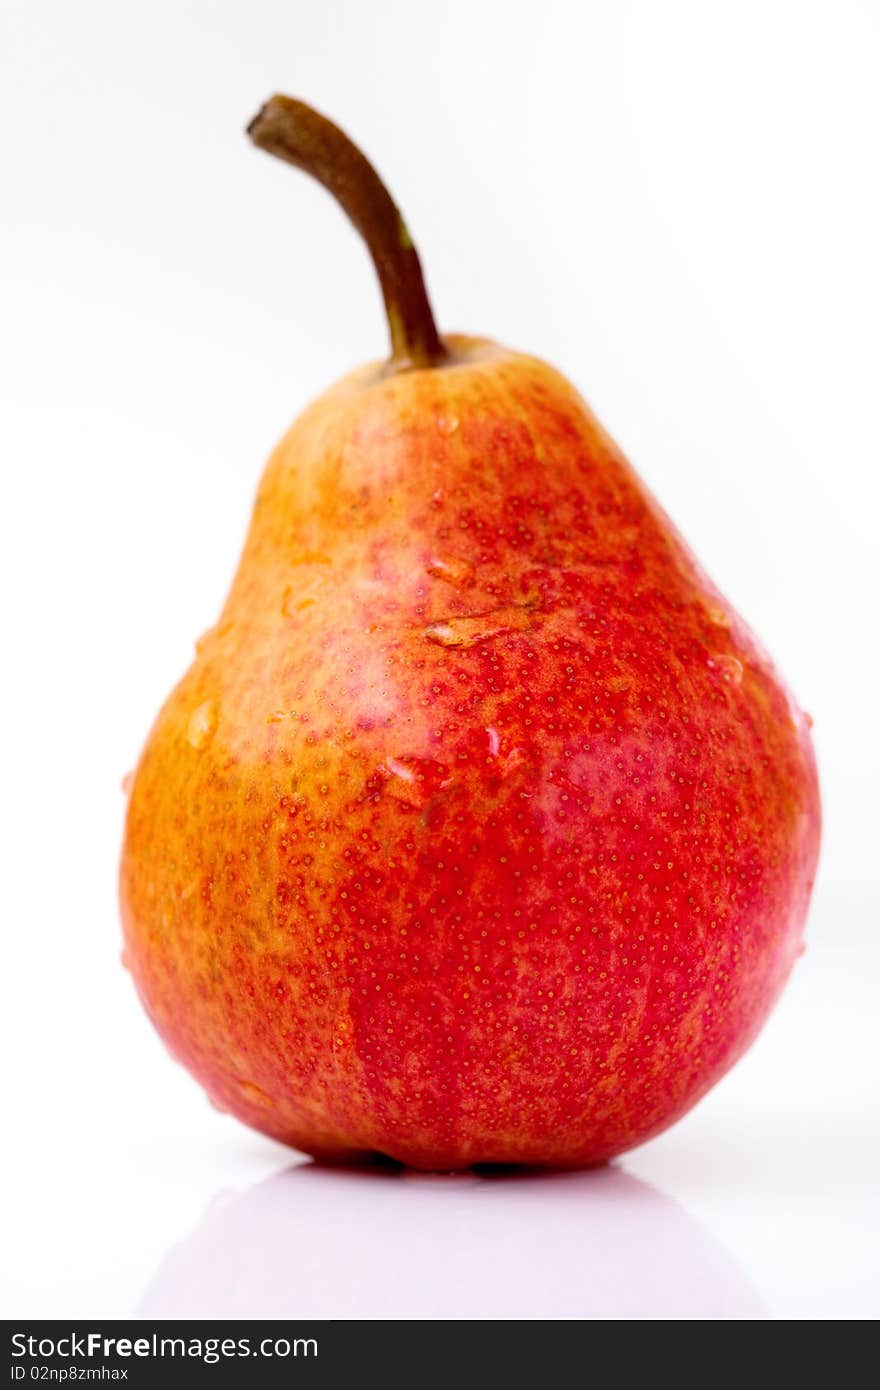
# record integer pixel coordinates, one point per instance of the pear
(481, 829)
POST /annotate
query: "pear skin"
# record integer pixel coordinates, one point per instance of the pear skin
(481, 829)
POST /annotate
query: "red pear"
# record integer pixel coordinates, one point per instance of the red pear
(481, 828)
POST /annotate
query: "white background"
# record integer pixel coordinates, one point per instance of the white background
(677, 204)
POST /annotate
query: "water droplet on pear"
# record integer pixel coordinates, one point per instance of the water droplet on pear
(202, 723)
(728, 668)
(456, 572)
(414, 781)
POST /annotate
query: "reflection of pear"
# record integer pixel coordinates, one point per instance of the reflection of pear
(480, 829)
(316, 1242)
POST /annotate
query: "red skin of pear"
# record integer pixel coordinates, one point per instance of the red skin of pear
(481, 828)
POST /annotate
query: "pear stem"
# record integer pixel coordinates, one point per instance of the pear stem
(292, 131)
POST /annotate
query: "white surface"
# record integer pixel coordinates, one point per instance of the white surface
(678, 205)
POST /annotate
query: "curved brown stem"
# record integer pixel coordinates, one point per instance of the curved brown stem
(294, 132)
